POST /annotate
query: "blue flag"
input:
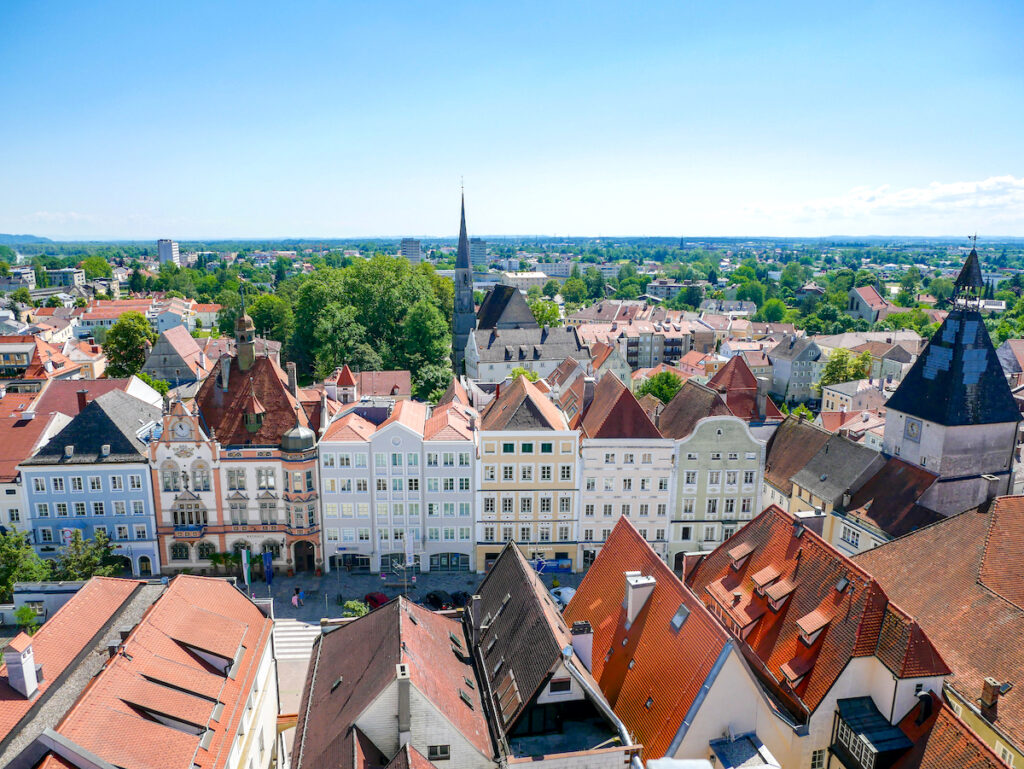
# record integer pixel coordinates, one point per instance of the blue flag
(268, 565)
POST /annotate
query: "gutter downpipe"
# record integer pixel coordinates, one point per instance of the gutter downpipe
(602, 705)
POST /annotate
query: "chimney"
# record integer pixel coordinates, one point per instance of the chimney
(473, 609)
(83, 400)
(404, 716)
(638, 590)
(105, 450)
(293, 380)
(989, 699)
(69, 451)
(3, 392)
(202, 360)
(583, 642)
(992, 486)
(762, 398)
(21, 666)
(225, 371)
(924, 698)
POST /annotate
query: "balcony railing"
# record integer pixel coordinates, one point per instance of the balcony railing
(194, 531)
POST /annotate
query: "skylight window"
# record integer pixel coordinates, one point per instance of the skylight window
(680, 616)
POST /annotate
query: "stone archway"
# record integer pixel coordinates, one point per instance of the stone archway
(304, 555)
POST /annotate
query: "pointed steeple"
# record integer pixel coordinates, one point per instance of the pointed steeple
(462, 260)
(969, 283)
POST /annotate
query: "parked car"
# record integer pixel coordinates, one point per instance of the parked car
(438, 599)
(460, 598)
(562, 595)
(375, 599)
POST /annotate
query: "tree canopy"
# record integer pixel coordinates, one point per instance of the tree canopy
(663, 386)
(126, 344)
(19, 562)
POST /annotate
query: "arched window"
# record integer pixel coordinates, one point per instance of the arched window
(205, 550)
(200, 476)
(241, 545)
(271, 546)
(179, 551)
(170, 478)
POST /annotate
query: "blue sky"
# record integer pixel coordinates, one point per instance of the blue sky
(343, 119)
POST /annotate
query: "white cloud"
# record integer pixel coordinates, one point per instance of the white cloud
(994, 205)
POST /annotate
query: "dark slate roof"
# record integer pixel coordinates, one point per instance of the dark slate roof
(839, 466)
(692, 403)
(790, 348)
(462, 258)
(524, 632)
(970, 276)
(112, 419)
(957, 380)
(790, 448)
(504, 307)
(526, 344)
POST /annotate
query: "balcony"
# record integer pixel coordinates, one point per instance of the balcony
(302, 531)
(191, 532)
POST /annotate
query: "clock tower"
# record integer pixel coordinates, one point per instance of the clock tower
(465, 309)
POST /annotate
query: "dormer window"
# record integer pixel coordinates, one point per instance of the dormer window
(778, 593)
(811, 625)
(253, 422)
(764, 578)
(739, 555)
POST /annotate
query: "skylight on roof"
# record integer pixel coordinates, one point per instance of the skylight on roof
(680, 616)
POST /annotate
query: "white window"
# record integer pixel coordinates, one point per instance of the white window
(818, 759)
(591, 484)
(565, 472)
(38, 484)
(46, 535)
(57, 483)
(691, 477)
(748, 477)
(439, 752)
(712, 509)
(138, 508)
(42, 510)
(116, 483)
(135, 482)
(526, 472)
(609, 459)
(95, 483)
(627, 484)
(76, 483)
(546, 472)
(850, 536)
(609, 484)
(565, 504)
(588, 511)
(663, 484)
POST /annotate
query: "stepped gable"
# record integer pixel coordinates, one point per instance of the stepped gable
(615, 413)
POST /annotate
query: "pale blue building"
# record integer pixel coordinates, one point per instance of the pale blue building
(94, 475)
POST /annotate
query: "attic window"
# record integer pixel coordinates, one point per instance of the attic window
(413, 620)
(631, 664)
(680, 616)
(739, 554)
(465, 698)
(842, 584)
(469, 682)
(253, 422)
(490, 644)
(650, 703)
(337, 683)
(497, 668)
(811, 625)
(455, 639)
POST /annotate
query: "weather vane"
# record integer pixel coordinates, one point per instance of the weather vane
(974, 240)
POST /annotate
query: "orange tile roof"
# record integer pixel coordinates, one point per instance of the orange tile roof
(455, 393)
(411, 414)
(63, 637)
(858, 621)
(522, 394)
(943, 741)
(448, 423)
(350, 427)
(615, 413)
(651, 642)
(158, 674)
(739, 384)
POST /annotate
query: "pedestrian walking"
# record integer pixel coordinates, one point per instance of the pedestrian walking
(295, 600)
(302, 598)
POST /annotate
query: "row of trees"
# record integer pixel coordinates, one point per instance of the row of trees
(80, 559)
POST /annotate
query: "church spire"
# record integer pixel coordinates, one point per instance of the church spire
(969, 283)
(462, 260)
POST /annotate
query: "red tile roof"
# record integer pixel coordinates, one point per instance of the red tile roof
(62, 394)
(411, 414)
(386, 384)
(651, 642)
(522, 403)
(871, 298)
(739, 384)
(858, 621)
(889, 499)
(19, 437)
(615, 413)
(943, 741)
(158, 674)
(223, 411)
(448, 423)
(972, 563)
(63, 637)
(599, 352)
(455, 393)
(691, 404)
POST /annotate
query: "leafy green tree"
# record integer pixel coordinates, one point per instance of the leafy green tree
(426, 343)
(126, 344)
(662, 386)
(533, 293)
(546, 313)
(272, 317)
(80, 302)
(773, 311)
(18, 563)
(595, 281)
(22, 295)
(86, 558)
(27, 619)
(8, 255)
(54, 301)
(751, 292)
(354, 609)
(518, 371)
(551, 288)
(96, 267)
(340, 339)
(842, 367)
(159, 385)
(136, 282)
(574, 290)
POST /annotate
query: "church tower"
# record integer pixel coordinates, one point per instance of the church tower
(465, 313)
(245, 339)
(953, 413)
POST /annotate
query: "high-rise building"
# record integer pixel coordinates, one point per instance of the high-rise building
(168, 251)
(465, 310)
(477, 251)
(412, 250)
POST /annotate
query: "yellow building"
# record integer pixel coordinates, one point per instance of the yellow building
(527, 488)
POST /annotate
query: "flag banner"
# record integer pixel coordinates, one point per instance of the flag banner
(268, 566)
(245, 567)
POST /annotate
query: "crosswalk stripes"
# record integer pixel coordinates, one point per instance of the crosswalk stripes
(293, 640)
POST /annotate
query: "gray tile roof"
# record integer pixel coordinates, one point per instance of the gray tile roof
(791, 347)
(504, 307)
(839, 466)
(111, 420)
